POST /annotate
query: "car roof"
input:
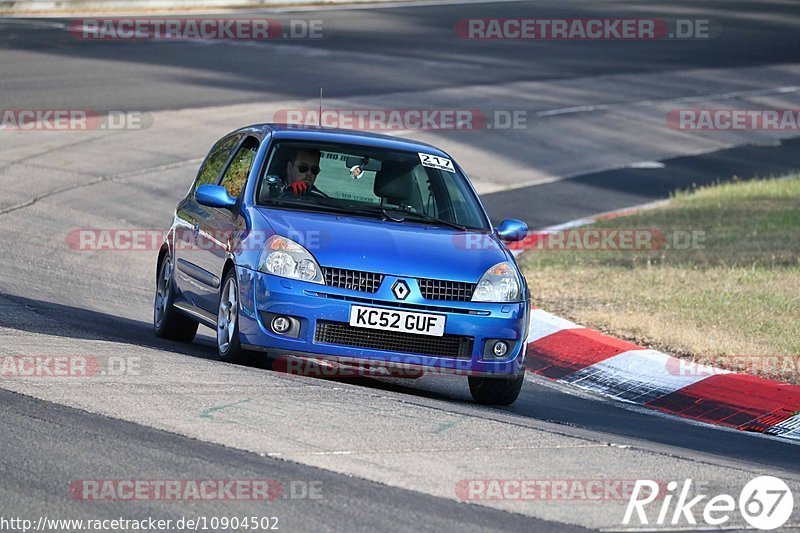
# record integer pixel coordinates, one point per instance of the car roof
(290, 132)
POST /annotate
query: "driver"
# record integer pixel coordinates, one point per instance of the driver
(302, 170)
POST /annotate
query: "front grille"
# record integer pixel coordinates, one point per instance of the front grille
(392, 341)
(438, 289)
(401, 305)
(354, 280)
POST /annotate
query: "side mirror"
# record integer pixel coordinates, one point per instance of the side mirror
(214, 196)
(511, 230)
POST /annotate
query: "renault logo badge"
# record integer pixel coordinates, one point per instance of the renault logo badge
(400, 289)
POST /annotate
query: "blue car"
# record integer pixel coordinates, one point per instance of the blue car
(347, 246)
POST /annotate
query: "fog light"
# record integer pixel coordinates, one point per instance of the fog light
(281, 324)
(499, 349)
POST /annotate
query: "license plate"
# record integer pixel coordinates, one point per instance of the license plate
(389, 320)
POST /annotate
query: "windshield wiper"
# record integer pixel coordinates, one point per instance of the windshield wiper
(310, 206)
(384, 213)
(434, 220)
(349, 210)
(400, 214)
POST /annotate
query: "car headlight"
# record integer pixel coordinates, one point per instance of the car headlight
(500, 283)
(284, 257)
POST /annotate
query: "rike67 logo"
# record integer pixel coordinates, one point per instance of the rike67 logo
(765, 503)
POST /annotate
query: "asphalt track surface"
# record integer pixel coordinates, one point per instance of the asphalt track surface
(388, 453)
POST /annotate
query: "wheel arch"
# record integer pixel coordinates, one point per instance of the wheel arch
(161, 253)
(165, 249)
(229, 264)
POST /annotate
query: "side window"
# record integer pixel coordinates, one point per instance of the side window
(236, 175)
(216, 159)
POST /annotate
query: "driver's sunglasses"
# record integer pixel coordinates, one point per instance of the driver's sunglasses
(302, 168)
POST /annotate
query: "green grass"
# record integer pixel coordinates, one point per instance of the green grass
(734, 292)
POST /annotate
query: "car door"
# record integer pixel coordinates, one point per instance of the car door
(195, 283)
(220, 226)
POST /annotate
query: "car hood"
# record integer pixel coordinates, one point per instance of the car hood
(386, 247)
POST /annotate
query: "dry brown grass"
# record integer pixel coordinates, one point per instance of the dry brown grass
(735, 298)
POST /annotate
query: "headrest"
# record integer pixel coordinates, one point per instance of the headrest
(394, 180)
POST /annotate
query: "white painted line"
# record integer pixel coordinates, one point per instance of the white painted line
(32, 24)
(680, 100)
(577, 223)
(637, 376)
(299, 49)
(199, 9)
(544, 324)
(647, 164)
(607, 214)
(382, 5)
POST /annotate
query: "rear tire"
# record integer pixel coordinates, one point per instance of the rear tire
(168, 322)
(496, 391)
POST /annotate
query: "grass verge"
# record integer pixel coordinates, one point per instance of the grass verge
(714, 276)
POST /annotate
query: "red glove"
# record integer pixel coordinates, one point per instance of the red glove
(299, 187)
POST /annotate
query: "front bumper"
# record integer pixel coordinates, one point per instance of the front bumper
(318, 306)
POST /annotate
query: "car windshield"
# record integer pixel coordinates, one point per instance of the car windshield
(399, 186)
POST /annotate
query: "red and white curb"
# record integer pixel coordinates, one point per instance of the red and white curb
(569, 353)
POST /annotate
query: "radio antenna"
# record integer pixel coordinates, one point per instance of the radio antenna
(319, 117)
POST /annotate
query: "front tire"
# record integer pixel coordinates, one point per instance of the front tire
(168, 322)
(229, 346)
(496, 391)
